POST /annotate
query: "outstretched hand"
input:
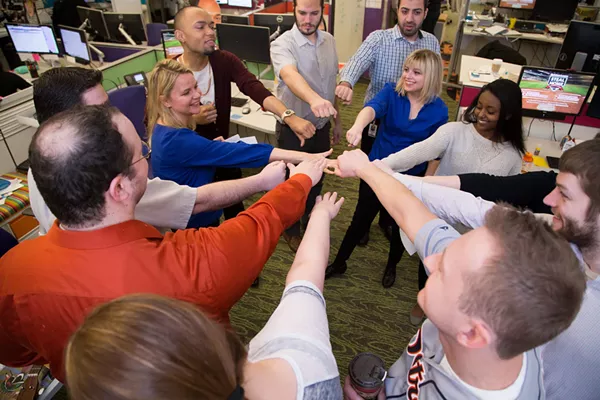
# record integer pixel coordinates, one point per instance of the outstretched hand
(272, 175)
(348, 164)
(328, 204)
(313, 168)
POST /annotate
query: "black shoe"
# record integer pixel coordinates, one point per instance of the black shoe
(389, 277)
(387, 231)
(364, 240)
(335, 269)
(256, 282)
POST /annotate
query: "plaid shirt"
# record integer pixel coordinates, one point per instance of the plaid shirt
(383, 54)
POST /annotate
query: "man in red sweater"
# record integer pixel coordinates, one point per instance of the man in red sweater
(91, 168)
(214, 71)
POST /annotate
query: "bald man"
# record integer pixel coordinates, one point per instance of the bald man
(214, 71)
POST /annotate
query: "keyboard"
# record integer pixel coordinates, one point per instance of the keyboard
(530, 30)
(238, 101)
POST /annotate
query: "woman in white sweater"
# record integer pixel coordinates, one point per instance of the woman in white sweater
(489, 140)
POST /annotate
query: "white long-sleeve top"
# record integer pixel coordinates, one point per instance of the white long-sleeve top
(462, 150)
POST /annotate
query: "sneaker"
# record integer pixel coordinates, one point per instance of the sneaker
(292, 241)
(389, 277)
(335, 269)
(256, 282)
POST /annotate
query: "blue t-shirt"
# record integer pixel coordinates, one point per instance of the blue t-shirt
(396, 130)
(183, 156)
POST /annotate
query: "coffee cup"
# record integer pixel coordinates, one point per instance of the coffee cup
(496, 65)
(367, 375)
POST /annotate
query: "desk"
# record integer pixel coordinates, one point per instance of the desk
(547, 148)
(540, 50)
(257, 120)
(472, 63)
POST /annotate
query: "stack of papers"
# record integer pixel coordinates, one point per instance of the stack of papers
(237, 138)
(15, 184)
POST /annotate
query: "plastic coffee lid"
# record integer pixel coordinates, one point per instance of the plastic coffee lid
(367, 370)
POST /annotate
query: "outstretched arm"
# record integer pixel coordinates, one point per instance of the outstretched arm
(407, 210)
(312, 255)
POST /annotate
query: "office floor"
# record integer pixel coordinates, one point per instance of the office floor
(363, 316)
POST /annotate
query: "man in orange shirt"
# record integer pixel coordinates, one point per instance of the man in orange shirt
(91, 168)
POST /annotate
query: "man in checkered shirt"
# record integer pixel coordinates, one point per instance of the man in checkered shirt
(383, 54)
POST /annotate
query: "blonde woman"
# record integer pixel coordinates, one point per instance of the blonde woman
(153, 348)
(409, 112)
(181, 155)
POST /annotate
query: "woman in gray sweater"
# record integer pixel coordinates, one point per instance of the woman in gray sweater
(488, 140)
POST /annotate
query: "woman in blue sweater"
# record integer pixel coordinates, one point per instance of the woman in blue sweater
(409, 112)
(181, 155)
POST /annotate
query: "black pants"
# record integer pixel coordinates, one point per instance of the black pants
(367, 208)
(228, 174)
(366, 144)
(319, 143)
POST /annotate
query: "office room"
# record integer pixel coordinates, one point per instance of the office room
(184, 188)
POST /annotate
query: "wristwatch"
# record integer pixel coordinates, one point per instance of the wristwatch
(286, 113)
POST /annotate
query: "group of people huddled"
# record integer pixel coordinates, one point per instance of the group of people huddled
(126, 294)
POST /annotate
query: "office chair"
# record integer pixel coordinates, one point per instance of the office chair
(153, 32)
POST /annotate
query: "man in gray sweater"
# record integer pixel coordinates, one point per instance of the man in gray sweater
(494, 295)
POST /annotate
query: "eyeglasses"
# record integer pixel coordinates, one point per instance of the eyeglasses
(146, 151)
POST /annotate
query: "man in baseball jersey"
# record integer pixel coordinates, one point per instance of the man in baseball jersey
(494, 296)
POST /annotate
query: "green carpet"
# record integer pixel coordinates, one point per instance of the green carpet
(363, 316)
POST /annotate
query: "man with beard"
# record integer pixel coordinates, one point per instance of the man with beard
(214, 71)
(571, 360)
(305, 61)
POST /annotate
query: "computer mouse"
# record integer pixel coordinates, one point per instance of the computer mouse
(246, 110)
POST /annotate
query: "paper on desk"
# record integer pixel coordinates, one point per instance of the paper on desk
(15, 184)
(237, 138)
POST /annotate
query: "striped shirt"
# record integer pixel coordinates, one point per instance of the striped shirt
(383, 54)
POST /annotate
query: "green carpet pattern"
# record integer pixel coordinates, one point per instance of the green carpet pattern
(363, 316)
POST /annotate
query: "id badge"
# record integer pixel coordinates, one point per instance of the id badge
(372, 130)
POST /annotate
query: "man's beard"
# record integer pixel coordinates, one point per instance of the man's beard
(585, 236)
(305, 33)
(407, 33)
(209, 51)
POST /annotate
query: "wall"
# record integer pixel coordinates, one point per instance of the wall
(349, 23)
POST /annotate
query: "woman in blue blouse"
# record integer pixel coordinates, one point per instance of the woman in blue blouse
(181, 155)
(409, 112)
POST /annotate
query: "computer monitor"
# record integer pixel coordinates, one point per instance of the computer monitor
(581, 49)
(594, 106)
(133, 24)
(235, 19)
(284, 22)
(248, 43)
(94, 22)
(240, 3)
(38, 39)
(171, 46)
(553, 93)
(518, 4)
(554, 11)
(75, 44)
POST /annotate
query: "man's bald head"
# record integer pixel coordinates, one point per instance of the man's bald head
(213, 8)
(187, 15)
(74, 157)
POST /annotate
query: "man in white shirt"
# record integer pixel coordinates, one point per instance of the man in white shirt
(494, 295)
(305, 61)
(164, 204)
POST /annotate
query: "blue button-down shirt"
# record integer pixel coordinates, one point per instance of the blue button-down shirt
(383, 54)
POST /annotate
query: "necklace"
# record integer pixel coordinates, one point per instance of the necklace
(202, 93)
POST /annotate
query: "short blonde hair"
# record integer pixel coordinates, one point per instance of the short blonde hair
(430, 64)
(160, 83)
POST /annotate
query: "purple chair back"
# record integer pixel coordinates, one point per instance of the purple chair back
(131, 101)
(153, 32)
